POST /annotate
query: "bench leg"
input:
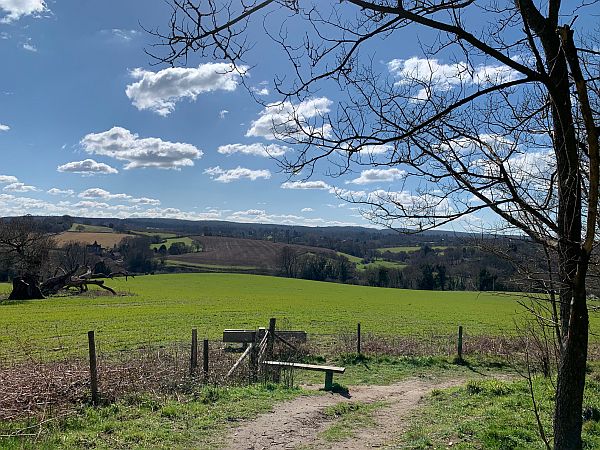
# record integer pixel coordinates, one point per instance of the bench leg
(328, 380)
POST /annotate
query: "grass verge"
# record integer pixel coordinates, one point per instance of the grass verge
(494, 414)
(198, 420)
(384, 370)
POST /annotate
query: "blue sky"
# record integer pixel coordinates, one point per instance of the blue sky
(89, 126)
(68, 67)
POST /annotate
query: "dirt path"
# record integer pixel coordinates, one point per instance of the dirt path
(298, 423)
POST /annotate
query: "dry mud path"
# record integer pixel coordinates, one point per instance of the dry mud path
(297, 423)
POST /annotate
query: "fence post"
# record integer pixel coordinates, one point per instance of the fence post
(194, 352)
(358, 339)
(93, 367)
(271, 338)
(254, 359)
(205, 360)
(459, 347)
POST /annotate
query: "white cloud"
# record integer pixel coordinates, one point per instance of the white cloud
(99, 193)
(272, 150)
(64, 192)
(16, 9)
(87, 167)
(102, 194)
(306, 210)
(91, 204)
(378, 175)
(227, 176)
(29, 46)
(6, 179)
(160, 91)
(4, 127)
(121, 34)
(145, 201)
(377, 149)
(280, 119)
(19, 187)
(223, 113)
(444, 77)
(317, 184)
(260, 91)
(123, 145)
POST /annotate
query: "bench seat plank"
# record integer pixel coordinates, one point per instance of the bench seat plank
(333, 369)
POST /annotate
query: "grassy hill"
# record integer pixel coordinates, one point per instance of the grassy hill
(163, 308)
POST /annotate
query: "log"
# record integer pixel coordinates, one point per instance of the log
(55, 284)
(82, 285)
(25, 288)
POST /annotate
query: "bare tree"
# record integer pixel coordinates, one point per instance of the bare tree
(288, 262)
(499, 114)
(74, 255)
(26, 245)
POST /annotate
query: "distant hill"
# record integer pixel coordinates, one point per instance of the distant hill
(237, 252)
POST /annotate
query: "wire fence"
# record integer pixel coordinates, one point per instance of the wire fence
(37, 383)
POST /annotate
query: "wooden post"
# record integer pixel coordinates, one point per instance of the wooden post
(254, 359)
(93, 367)
(205, 360)
(328, 380)
(273, 372)
(358, 338)
(459, 346)
(271, 338)
(194, 352)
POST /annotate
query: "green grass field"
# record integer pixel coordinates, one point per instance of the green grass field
(381, 263)
(164, 308)
(90, 228)
(160, 234)
(409, 249)
(378, 263)
(351, 258)
(172, 240)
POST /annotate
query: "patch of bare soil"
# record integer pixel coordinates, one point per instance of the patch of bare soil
(297, 424)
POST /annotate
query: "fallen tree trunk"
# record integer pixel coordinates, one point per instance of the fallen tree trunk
(55, 284)
(25, 288)
(82, 285)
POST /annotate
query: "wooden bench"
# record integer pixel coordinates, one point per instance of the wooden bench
(329, 370)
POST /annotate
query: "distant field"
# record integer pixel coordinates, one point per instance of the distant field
(164, 308)
(377, 263)
(382, 263)
(160, 234)
(107, 240)
(226, 251)
(80, 227)
(410, 249)
(172, 240)
(207, 267)
(351, 258)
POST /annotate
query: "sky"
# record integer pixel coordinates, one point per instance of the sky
(91, 125)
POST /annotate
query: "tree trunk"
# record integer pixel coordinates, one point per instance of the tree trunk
(571, 377)
(25, 288)
(572, 263)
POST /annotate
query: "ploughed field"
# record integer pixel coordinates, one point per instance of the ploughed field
(249, 253)
(105, 239)
(161, 309)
